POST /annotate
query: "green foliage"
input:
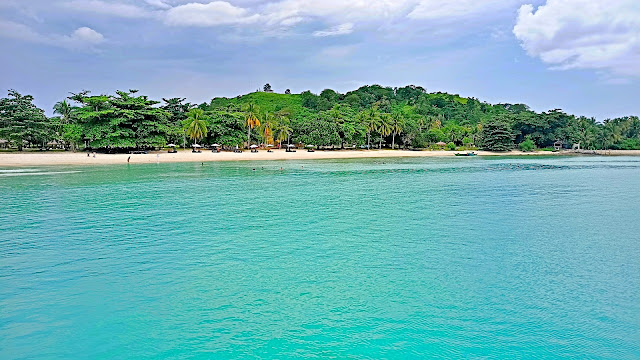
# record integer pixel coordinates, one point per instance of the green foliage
(393, 117)
(21, 121)
(527, 145)
(195, 125)
(497, 136)
(450, 146)
(122, 121)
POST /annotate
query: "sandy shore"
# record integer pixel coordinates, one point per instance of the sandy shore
(80, 158)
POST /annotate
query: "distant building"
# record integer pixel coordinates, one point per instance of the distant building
(558, 145)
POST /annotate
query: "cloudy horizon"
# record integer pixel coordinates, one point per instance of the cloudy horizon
(542, 53)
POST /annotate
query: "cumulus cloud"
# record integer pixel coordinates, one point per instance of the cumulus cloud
(583, 34)
(341, 29)
(211, 14)
(86, 35)
(81, 38)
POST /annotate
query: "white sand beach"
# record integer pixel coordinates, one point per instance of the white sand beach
(28, 158)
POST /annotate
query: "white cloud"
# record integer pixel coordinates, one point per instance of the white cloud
(108, 8)
(341, 29)
(442, 9)
(211, 14)
(86, 35)
(336, 10)
(583, 34)
(81, 38)
(158, 3)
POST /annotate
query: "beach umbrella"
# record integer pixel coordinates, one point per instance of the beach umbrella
(441, 143)
(253, 146)
(196, 146)
(269, 145)
(216, 145)
(310, 146)
(172, 145)
(291, 145)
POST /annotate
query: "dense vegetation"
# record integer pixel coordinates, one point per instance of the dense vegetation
(372, 116)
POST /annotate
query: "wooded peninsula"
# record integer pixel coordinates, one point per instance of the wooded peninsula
(369, 117)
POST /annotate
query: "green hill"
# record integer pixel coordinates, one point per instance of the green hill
(266, 102)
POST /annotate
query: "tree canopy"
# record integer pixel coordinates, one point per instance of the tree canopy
(405, 117)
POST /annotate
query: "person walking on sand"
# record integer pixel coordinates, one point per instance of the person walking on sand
(128, 159)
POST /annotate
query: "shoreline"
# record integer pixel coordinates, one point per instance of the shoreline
(80, 158)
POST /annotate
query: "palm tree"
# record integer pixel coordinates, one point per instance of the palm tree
(397, 126)
(64, 109)
(385, 127)
(371, 121)
(251, 122)
(284, 131)
(195, 125)
(267, 127)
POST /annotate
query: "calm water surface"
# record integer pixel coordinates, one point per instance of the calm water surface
(411, 258)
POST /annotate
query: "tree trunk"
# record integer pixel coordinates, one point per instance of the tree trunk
(393, 141)
(368, 141)
(380, 146)
(248, 136)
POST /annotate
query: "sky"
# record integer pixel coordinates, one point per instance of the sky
(581, 56)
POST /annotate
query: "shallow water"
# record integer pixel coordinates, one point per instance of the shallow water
(410, 258)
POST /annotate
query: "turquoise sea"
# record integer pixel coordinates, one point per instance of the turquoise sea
(478, 258)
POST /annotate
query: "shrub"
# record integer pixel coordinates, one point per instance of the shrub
(451, 146)
(527, 145)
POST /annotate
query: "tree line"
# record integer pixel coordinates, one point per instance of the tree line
(369, 117)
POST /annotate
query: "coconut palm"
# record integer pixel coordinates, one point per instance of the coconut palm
(371, 121)
(267, 127)
(64, 109)
(283, 132)
(251, 121)
(397, 125)
(196, 124)
(385, 127)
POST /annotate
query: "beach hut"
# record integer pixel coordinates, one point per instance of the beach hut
(441, 144)
(558, 145)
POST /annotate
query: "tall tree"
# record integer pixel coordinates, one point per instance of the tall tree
(251, 121)
(196, 124)
(497, 136)
(371, 121)
(397, 126)
(21, 121)
(385, 127)
(122, 121)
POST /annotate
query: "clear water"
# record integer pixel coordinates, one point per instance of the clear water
(410, 258)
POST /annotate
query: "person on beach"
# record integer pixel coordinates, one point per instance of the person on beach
(88, 155)
(128, 159)
(94, 154)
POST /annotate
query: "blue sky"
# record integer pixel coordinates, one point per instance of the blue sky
(577, 55)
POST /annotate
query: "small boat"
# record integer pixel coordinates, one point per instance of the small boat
(466, 154)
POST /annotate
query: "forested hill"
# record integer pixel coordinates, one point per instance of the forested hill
(372, 116)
